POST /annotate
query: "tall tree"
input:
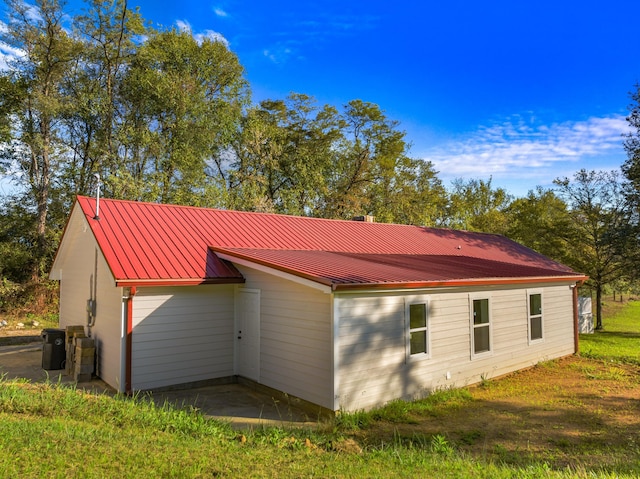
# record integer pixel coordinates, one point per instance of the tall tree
(47, 53)
(281, 155)
(410, 193)
(294, 156)
(600, 215)
(108, 32)
(541, 222)
(631, 170)
(475, 205)
(365, 160)
(631, 167)
(183, 100)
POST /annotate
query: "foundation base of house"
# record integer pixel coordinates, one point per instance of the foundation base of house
(314, 411)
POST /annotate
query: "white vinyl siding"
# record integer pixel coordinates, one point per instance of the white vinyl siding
(295, 337)
(371, 342)
(81, 273)
(182, 335)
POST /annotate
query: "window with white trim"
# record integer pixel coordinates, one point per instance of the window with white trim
(417, 318)
(536, 326)
(480, 326)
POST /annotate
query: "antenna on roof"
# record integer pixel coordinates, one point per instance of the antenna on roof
(97, 216)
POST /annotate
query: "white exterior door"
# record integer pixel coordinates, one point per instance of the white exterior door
(248, 333)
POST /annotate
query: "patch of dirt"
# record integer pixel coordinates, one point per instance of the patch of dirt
(573, 412)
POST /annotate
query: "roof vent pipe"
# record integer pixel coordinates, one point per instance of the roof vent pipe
(97, 216)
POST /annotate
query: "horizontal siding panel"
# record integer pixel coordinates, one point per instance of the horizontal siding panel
(190, 356)
(363, 365)
(310, 344)
(176, 335)
(273, 365)
(296, 329)
(182, 334)
(386, 332)
(162, 347)
(289, 353)
(173, 370)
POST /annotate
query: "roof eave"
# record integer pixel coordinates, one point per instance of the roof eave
(571, 278)
(125, 283)
(459, 283)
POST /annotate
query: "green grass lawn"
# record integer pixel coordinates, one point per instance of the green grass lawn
(620, 338)
(51, 431)
(47, 430)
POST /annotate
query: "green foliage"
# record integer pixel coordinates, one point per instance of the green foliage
(541, 222)
(440, 445)
(475, 205)
(618, 341)
(183, 101)
(631, 167)
(294, 156)
(9, 292)
(29, 301)
(399, 411)
(34, 150)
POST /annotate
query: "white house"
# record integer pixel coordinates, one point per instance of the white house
(346, 315)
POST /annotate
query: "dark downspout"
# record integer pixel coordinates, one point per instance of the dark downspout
(576, 325)
(129, 342)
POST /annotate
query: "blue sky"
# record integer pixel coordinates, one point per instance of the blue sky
(520, 91)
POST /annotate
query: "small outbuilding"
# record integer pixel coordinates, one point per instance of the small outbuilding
(347, 315)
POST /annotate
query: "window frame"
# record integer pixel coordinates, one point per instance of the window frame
(530, 293)
(473, 326)
(409, 301)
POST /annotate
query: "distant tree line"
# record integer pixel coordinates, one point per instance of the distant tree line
(158, 115)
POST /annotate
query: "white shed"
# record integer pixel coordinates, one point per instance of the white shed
(345, 315)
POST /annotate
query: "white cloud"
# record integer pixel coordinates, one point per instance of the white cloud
(33, 13)
(279, 54)
(185, 26)
(220, 12)
(212, 36)
(519, 148)
(9, 54)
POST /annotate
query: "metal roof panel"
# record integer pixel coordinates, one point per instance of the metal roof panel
(156, 242)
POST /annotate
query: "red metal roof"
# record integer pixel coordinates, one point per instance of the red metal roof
(346, 270)
(149, 243)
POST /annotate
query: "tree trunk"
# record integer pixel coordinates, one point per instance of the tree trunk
(41, 193)
(598, 307)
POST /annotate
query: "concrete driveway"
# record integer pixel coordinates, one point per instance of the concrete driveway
(240, 405)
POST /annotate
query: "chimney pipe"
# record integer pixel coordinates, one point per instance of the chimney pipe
(97, 216)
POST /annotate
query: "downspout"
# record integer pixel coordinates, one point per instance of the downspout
(129, 341)
(576, 325)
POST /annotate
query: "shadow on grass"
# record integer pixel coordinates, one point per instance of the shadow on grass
(575, 414)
